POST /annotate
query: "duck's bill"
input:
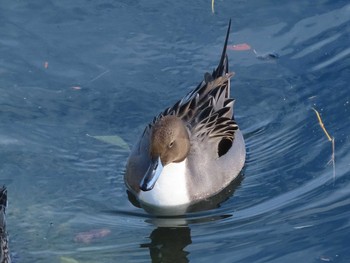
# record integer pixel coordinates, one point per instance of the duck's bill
(152, 175)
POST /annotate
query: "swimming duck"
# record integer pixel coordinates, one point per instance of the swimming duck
(4, 249)
(192, 150)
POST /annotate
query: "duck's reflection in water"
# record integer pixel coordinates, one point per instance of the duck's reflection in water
(168, 244)
(168, 241)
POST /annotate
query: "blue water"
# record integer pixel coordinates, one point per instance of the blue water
(70, 70)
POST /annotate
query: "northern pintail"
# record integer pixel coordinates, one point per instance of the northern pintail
(4, 249)
(192, 150)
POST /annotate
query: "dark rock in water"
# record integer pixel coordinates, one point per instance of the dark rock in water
(4, 249)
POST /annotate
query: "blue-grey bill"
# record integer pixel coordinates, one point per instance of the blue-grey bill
(152, 175)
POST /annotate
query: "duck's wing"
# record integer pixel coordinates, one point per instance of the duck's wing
(4, 250)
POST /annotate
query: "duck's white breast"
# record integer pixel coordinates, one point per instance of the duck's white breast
(170, 188)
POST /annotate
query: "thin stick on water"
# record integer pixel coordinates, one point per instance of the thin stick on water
(212, 6)
(322, 125)
(331, 139)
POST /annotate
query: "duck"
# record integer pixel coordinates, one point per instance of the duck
(4, 248)
(192, 150)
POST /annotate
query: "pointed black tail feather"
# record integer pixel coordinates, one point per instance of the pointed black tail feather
(203, 88)
(223, 64)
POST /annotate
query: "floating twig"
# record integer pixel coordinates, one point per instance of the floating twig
(331, 139)
(322, 125)
(212, 6)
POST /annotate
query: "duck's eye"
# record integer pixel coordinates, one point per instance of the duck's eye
(171, 144)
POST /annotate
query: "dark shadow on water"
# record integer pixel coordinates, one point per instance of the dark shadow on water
(167, 244)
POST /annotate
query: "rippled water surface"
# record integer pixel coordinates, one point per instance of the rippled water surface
(70, 70)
